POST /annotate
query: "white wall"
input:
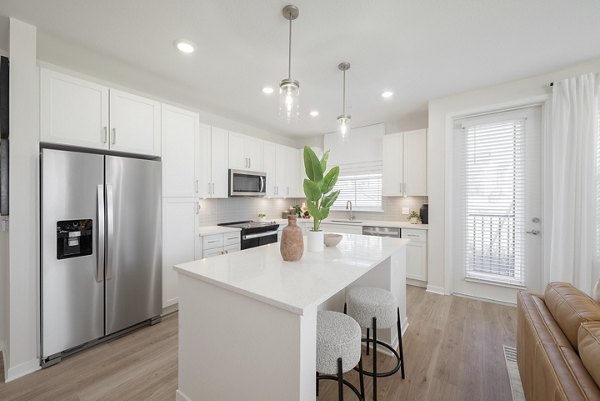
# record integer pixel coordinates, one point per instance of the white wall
(86, 64)
(441, 112)
(21, 341)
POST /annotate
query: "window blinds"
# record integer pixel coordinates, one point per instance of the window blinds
(491, 176)
(360, 183)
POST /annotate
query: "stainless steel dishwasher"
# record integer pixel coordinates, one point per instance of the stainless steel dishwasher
(394, 232)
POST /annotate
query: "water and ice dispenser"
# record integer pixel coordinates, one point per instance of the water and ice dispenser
(73, 238)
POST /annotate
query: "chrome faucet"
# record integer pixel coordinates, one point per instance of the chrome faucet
(351, 215)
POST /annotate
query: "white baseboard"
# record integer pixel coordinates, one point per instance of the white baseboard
(492, 300)
(436, 290)
(22, 369)
(416, 283)
(170, 309)
(179, 396)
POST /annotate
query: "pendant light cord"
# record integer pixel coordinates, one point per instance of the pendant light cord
(344, 95)
(290, 49)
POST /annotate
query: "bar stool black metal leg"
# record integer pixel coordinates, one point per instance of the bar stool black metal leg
(362, 379)
(345, 308)
(340, 380)
(374, 359)
(400, 348)
(317, 384)
(368, 341)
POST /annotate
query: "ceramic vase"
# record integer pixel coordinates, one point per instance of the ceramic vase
(596, 292)
(292, 241)
(316, 241)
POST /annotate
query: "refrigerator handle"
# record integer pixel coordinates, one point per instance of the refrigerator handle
(100, 243)
(109, 231)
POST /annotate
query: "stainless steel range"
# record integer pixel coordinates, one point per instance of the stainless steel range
(255, 233)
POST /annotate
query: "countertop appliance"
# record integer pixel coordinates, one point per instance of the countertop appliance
(100, 248)
(394, 232)
(255, 233)
(247, 183)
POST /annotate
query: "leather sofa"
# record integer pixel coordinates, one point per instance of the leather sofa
(558, 344)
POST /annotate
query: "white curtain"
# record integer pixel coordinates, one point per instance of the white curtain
(571, 183)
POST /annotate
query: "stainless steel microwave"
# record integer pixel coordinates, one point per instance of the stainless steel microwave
(247, 183)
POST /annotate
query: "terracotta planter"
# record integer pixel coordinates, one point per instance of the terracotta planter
(292, 241)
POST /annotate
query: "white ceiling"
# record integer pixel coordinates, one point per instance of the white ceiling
(419, 49)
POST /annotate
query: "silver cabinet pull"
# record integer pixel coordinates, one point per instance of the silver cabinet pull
(209, 188)
(105, 136)
(196, 186)
(533, 232)
(114, 136)
(249, 162)
(213, 189)
(100, 220)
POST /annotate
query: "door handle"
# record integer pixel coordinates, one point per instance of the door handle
(196, 186)
(109, 231)
(105, 130)
(114, 136)
(212, 192)
(533, 232)
(100, 246)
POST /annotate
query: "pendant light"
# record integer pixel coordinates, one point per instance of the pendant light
(289, 89)
(344, 119)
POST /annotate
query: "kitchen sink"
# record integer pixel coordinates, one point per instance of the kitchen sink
(346, 221)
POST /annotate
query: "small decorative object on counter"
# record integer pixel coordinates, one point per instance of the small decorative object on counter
(414, 217)
(425, 213)
(298, 210)
(262, 216)
(292, 241)
(332, 239)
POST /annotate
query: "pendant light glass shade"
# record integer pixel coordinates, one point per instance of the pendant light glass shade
(344, 119)
(289, 89)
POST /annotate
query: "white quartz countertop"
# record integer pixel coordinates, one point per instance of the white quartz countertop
(262, 274)
(212, 230)
(370, 223)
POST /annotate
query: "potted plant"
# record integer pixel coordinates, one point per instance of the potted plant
(318, 187)
(414, 217)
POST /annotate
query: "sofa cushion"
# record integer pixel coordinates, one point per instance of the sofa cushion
(570, 307)
(589, 348)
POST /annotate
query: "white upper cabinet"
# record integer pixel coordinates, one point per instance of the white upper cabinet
(76, 112)
(180, 152)
(405, 164)
(73, 111)
(415, 163)
(134, 124)
(245, 153)
(270, 167)
(214, 151)
(287, 177)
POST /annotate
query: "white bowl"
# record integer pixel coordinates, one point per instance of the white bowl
(332, 239)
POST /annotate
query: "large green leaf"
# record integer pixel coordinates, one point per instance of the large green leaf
(330, 199)
(312, 190)
(324, 212)
(330, 180)
(324, 161)
(313, 210)
(312, 165)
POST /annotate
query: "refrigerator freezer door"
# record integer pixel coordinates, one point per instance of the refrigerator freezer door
(72, 308)
(133, 257)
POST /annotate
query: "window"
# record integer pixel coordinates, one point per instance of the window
(360, 183)
(491, 175)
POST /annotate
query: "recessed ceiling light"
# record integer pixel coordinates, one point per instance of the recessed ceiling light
(387, 94)
(184, 46)
(314, 113)
(268, 90)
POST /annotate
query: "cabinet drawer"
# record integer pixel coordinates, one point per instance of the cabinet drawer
(231, 239)
(232, 248)
(212, 252)
(212, 241)
(414, 235)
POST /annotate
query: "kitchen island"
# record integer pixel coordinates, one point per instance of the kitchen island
(247, 320)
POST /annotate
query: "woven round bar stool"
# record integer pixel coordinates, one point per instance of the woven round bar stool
(373, 309)
(338, 350)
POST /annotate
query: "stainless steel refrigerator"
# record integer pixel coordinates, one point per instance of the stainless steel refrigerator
(101, 248)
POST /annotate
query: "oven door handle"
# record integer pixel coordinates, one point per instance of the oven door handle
(266, 234)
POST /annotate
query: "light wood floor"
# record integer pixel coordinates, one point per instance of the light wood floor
(453, 351)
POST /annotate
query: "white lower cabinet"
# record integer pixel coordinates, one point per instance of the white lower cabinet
(416, 254)
(220, 244)
(180, 218)
(341, 228)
